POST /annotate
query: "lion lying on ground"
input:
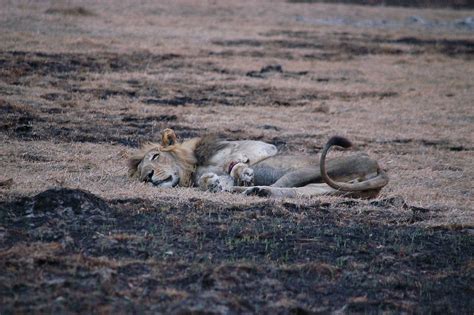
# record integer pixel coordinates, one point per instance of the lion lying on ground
(255, 168)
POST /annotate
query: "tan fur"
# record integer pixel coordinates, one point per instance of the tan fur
(207, 147)
(375, 183)
(182, 154)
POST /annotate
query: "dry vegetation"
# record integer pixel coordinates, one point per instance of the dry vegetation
(82, 84)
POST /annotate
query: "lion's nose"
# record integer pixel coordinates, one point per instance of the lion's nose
(150, 176)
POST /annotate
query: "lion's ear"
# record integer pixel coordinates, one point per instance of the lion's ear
(168, 137)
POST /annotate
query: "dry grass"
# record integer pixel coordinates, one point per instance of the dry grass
(412, 110)
(83, 83)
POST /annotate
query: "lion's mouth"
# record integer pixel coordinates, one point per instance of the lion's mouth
(168, 181)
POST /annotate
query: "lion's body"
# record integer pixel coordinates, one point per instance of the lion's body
(247, 151)
(218, 165)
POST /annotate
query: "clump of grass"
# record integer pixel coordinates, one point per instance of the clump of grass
(74, 11)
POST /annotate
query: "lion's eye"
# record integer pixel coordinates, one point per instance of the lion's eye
(155, 156)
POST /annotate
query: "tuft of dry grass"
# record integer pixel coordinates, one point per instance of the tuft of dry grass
(74, 11)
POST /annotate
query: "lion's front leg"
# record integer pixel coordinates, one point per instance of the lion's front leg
(215, 183)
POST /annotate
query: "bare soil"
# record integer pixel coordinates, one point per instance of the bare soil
(82, 84)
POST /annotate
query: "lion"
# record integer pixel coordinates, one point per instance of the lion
(255, 168)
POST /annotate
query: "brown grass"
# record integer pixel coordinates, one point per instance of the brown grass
(82, 85)
(412, 110)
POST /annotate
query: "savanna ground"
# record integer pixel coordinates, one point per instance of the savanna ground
(82, 84)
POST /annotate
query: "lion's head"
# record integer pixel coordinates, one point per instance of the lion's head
(164, 165)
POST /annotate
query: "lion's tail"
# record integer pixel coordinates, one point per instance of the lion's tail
(374, 183)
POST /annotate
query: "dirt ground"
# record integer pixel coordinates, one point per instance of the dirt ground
(82, 84)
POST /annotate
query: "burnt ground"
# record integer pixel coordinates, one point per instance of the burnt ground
(70, 251)
(81, 86)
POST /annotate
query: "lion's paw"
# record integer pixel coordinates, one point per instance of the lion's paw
(258, 191)
(214, 183)
(246, 177)
(242, 174)
(210, 182)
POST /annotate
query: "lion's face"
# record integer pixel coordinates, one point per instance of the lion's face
(159, 168)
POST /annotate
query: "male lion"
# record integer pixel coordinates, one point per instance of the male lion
(255, 168)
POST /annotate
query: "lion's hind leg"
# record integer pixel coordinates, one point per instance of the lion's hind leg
(312, 190)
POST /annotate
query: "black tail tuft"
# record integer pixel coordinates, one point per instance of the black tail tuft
(339, 141)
